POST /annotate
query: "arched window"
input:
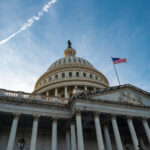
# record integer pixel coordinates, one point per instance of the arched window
(50, 79)
(70, 74)
(77, 74)
(69, 60)
(63, 75)
(90, 76)
(56, 76)
(96, 78)
(84, 74)
(79, 60)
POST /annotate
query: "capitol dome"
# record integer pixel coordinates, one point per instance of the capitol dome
(69, 73)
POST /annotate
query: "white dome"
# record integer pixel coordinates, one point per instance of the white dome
(69, 61)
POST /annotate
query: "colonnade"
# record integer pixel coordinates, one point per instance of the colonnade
(71, 142)
(66, 94)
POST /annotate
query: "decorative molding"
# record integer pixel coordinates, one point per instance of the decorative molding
(126, 96)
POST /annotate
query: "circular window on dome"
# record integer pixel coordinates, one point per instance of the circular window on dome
(91, 76)
(84, 74)
(77, 74)
(70, 74)
(63, 75)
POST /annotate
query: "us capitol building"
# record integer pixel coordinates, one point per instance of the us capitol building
(73, 107)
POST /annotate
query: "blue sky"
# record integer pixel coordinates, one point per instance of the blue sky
(98, 30)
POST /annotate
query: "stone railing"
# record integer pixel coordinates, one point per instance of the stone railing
(30, 96)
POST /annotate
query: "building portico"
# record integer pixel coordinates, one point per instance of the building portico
(89, 121)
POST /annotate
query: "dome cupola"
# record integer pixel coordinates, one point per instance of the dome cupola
(70, 51)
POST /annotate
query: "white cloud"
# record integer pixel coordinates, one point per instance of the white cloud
(30, 21)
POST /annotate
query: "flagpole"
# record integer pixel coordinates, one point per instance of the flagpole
(116, 73)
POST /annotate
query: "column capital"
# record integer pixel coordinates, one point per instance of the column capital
(36, 116)
(78, 112)
(113, 116)
(129, 117)
(96, 114)
(144, 118)
(16, 115)
(55, 118)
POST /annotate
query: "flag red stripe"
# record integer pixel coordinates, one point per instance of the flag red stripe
(120, 61)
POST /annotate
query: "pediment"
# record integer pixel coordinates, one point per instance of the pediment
(128, 95)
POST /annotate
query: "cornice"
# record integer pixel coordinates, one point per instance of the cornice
(112, 89)
(31, 102)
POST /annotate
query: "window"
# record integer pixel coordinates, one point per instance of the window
(77, 74)
(79, 60)
(64, 60)
(96, 78)
(60, 62)
(69, 60)
(74, 60)
(63, 75)
(50, 78)
(70, 74)
(84, 74)
(90, 76)
(56, 76)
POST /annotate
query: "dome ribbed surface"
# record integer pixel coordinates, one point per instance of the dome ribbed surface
(69, 61)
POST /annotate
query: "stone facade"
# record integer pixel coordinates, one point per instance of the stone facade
(75, 113)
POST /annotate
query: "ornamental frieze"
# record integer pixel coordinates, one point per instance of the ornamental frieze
(129, 97)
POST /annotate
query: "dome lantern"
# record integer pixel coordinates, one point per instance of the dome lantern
(69, 52)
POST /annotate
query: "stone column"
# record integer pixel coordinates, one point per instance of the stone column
(147, 130)
(66, 92)
(142, 143)
(73, 137)
(79, 131)
(47, 93)
(34, 133)
(67, 139)
(116, 133)
(133, 133)
(54, 135)
(85, 88)
(107, 138)
(56, 92)
(13, 131)
(98, 132)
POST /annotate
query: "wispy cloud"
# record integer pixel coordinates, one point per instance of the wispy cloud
(30, 21)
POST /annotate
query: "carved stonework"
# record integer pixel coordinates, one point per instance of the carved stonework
(129, 97)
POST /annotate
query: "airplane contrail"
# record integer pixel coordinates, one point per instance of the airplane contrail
(30, 21)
